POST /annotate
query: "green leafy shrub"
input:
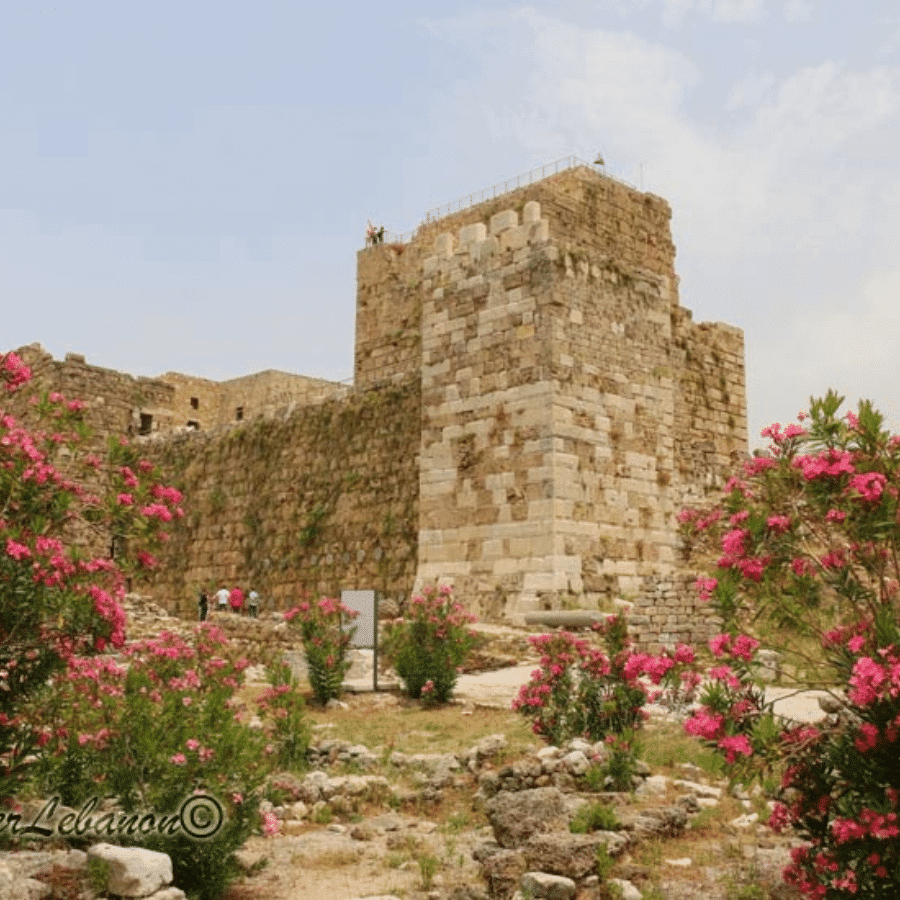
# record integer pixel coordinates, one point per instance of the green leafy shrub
(284, 706)
(807, 543)
(427, 647)
(326, 641)
(164, 735)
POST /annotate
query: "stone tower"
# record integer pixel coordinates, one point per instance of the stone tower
(569, 404)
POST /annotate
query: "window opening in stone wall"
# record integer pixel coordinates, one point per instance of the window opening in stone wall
(191, 423)
(195, 403)
(239, 413)
(146, 423)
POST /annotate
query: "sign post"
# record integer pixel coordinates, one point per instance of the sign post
(366, 637)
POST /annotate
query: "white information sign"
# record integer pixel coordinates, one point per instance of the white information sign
(364, 603)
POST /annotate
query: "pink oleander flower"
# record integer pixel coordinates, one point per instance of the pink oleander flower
(192, 744)
(802, 567)
(759, 464)
(780, 818)
(146, 560)
(830, 462)
(125, 499)
(867, 737)
(270, 826)
(866, 681)
(733, 543)
(753, 567)
(179, 759)
(16, 550)
(778, 524)
(720, 644)
(869, 485)
(733, 745)
(724, 673)
(704, 724)
(705, 587)
(744, 646)
(157, 511)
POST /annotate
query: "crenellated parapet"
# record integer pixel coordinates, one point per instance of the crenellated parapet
(501, 242)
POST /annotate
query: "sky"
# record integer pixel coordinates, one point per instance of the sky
(185, 186)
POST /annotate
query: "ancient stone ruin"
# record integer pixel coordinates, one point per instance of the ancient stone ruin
(531, 406)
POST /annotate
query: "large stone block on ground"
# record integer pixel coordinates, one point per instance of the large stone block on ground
(516, 816)
(502, 870)
(571, 855)
(133, 871)
(544, 886)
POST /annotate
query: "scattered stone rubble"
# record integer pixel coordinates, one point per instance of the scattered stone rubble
(527, 851)
(129, 872)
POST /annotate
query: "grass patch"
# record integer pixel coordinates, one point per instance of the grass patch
(327, 859)
(411, 728)
(666, 746)
(594, 817)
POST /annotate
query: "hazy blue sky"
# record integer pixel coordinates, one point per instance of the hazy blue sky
(185, 185)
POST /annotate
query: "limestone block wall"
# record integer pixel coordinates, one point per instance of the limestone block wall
(710, 435)
(485, 483)
(320, 499)
(209, 403)
(117, 404)
(565, 402)
(613, 424)
(388, 312)
(668, 613)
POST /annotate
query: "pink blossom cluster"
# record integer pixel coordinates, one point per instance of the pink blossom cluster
(869, 823)
(831, 463)
(13, 371)
(869, 485)
(741, 646)
(780, 435)
(705, 587)
(875, 679)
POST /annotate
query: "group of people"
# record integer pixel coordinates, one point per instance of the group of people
(235, 599)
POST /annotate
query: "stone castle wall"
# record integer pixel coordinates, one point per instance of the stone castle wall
(118, 404)
(200, 403)
(320, 499)
(388, 313)
(486, 446)
(531, 407)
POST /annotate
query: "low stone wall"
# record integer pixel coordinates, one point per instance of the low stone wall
(669, 612)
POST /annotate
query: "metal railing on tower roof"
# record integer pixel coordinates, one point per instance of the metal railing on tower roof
(501, 188)
(516, 182)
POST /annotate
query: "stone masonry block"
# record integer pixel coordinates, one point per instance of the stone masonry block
(538, 233)
(472, 234)
(531, 213)
(501, 221)
(485, 249)
(514, 238)
(430, 266)
(443, 245)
